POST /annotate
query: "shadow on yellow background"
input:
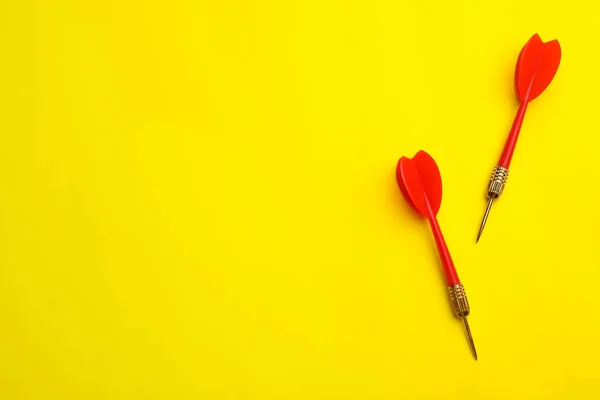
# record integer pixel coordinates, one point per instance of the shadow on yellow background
(197, 200)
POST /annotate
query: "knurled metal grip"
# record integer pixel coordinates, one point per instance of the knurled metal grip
(458, 299)
(497, 182)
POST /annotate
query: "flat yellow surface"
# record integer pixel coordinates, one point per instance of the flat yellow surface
(198, 201)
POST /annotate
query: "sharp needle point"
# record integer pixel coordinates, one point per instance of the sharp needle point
(471, 343)
(485, 217)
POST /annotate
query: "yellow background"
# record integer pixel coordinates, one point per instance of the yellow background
(197, 201)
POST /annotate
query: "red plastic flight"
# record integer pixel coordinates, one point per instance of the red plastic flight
(536, 67)
(421, 184)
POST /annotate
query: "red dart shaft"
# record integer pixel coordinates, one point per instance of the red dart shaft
(511, 141)
(447, 263)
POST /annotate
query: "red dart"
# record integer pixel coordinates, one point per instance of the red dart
(536, 67)
(421, 184)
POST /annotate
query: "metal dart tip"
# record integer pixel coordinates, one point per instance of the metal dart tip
(471, 343)
(485, 217)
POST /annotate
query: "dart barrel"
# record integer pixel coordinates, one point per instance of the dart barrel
(497, 182)
(460, 306)
(458, 299)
